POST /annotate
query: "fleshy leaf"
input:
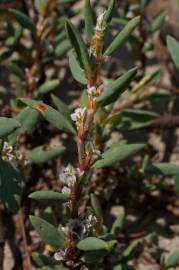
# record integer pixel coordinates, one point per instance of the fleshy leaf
(51, 235)
(22, 19)
(48, 86)
(173, 46)
(76, 70)
(126, 31)
(7, 126)
(89, 22)
(117, 153)
(49, 196)
(91, 244)
(116, 88)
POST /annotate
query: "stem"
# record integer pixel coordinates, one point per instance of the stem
(28, 260)
(2, 239)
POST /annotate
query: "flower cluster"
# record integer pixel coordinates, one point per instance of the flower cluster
(69, 177)
(13, 155)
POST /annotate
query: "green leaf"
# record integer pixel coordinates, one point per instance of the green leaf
(158, 21)
(28, 119)
(116, 88)
(13, 68)
(41, 154)
(89, 22)
(91, 257)
(48, 232)
(173, 46)
(40, 260)
(50, 114)
(22, 19)
(61, 107)
(117, 153)
(11, 186)
(79, 46)
(49, 196)
(134, 119)
(96, 206)
(91, 244)
(163, 168)
(130, 250)
(7, 126)
(62, 48)
(124, 34)
(76, 70)
(109, 12)
(172, 260)
(55, 267)
(118, 224)
(48, 86)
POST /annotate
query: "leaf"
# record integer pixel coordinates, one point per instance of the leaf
(173, 46)
(13, 68)
(61, 107)
(117, 153)
(163, 168)
(7, 126)
(135, 119)
(96, 206)
(76, 70)
(11, 186)
(55, 267)
(22, 19)
(48, 86)
(118, 224)
(89, 22)
(130, 250)
(109, 12)
(40, 260)
(158, 21)
(79, 46)
(50, 114)
(49, 196)
(91, 244)
(28, 118)
(172, 260)
(48, 232)
(62, 48)
(91, 257)
(124, 34)
(116, 88)
(40, 155)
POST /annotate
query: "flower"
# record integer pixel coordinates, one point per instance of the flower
(60, 255)
(79, 115)
(92, 91)
(68, 176)
(100, 22)
(66, 190)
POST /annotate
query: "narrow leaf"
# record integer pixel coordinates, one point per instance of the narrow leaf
(48, 86)
(11, 186)
(118, 224)
(48, 232)
(49, 196)
(76, 70)
(158, 22)
(50, 114)
(22, 19)
(172, 260)
(109, 12)
(79, 46)
(92, 243)
(127, 30)
(7, 126)
(163, 168)
(61, 107)
(117, 153)
(89, 24)
(173, 46)
(116, 88)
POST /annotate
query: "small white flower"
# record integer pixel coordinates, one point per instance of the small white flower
(66, 190)
(99, 26)
(68, 176)
(78, 115)
(7, 148)
(60, 255)
(84, 268)
(91, 91)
